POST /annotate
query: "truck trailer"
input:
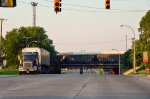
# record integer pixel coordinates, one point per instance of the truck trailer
(34, 61)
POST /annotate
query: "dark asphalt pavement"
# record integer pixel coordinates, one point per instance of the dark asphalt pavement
(74, 86)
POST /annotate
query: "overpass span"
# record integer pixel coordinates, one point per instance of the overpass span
(107, 61)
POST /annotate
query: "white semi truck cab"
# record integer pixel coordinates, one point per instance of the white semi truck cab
(34, 60)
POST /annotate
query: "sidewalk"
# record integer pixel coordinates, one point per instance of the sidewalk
(131, 71)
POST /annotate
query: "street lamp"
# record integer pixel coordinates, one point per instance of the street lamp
(26, 38)
(32, 42)
(119, 59)
(134, 59)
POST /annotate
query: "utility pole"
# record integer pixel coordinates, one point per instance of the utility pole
(34, 4)
(1, 20)
(119, 60)
(126, 42)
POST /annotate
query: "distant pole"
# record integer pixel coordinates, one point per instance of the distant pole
(34, 4)
(119, 60)
(1, 19)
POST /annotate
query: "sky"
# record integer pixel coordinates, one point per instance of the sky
(83, 25)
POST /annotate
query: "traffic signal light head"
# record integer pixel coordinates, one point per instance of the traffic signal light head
(57, 5)
(107, 4)
(7, 3)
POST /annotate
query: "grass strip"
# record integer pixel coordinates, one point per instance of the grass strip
(8, 72)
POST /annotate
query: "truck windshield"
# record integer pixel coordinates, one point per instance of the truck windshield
(29, 57)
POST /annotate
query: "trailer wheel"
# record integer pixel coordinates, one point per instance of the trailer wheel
(36, 72)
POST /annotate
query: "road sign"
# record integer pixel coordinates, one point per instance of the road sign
(145, 57)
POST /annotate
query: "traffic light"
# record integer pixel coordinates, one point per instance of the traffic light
(107, 4)
(57, 5)
(7, 3)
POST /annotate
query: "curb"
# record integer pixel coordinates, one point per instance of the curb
(148, 75)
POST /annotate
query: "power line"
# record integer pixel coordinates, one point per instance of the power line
(96, 43)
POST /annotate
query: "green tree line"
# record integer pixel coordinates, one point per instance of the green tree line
(17, 39)
(142, 44)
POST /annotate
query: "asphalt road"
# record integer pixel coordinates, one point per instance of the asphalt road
(74, 86)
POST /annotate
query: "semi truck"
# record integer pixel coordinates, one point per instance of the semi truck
(34, 61)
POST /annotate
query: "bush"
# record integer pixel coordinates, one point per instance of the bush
(100, 71)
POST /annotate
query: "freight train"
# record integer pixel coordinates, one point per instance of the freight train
(107, 61)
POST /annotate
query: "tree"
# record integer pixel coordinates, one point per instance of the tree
(126, 59)
(139, 52)
(17, 39)
(145, 33)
